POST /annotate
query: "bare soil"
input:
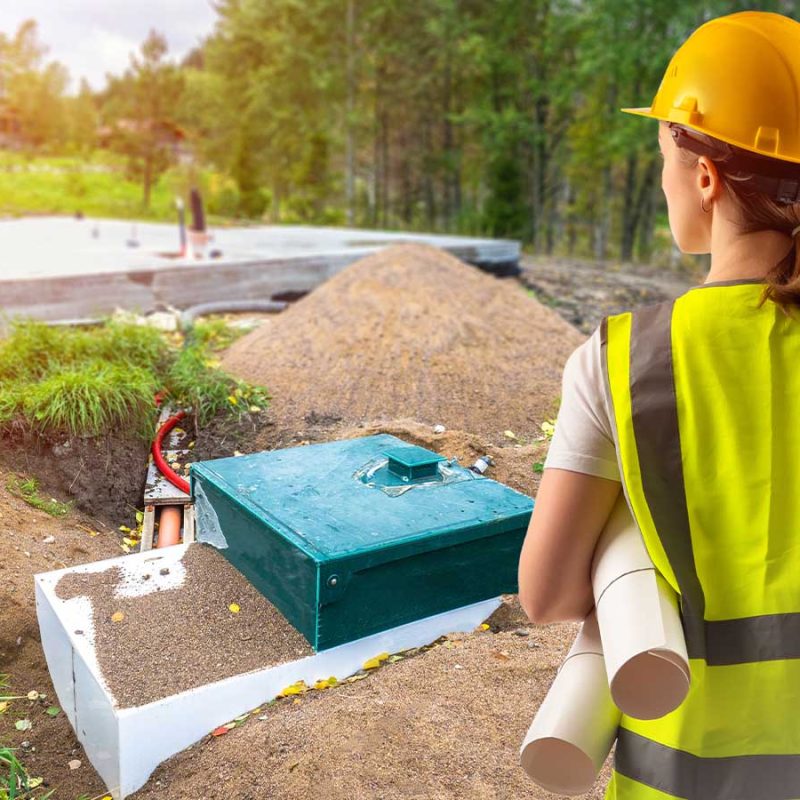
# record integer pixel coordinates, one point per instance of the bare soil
(102, 475)
(583, 292)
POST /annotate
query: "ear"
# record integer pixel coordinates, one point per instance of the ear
(708, 177)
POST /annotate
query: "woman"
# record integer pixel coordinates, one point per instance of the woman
(687, 411)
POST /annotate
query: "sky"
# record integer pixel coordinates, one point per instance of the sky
(93, 37)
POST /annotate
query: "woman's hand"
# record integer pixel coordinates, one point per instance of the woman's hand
(569, 514)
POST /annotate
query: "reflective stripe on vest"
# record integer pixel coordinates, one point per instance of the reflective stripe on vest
(704, 394)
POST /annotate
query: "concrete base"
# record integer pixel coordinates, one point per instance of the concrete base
(56, 268)
(126, 745)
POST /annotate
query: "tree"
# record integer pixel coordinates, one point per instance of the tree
(140, 107)
(34, 89)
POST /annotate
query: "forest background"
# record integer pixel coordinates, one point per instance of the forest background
(468, 117)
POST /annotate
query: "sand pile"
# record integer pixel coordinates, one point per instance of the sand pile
(170, 640)
(412, 332)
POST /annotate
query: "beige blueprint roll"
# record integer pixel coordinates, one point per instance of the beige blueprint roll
(576, 724)
(637, 614)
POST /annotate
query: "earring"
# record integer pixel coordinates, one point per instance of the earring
(703, 207)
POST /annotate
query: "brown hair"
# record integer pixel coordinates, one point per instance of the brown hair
(759, 212)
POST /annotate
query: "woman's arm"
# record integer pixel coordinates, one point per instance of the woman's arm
(569, 514)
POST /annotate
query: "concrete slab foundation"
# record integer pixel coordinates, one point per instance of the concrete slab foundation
(56, 268)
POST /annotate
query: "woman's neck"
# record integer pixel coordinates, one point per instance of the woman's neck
(750, 255)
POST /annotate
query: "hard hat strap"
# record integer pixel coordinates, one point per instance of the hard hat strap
(778, 179)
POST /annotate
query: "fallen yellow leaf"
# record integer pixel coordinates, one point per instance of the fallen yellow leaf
(117, 616)
(234, 608)
(375, 662)
(296, 688)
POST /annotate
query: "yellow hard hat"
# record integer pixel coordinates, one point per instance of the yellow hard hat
(737, 78)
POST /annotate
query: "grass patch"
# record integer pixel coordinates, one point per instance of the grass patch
(98, 186)
(90, 381)
(28, 490)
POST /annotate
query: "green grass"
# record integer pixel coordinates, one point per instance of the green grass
(90, 381)
(28, 490)
(98, 187)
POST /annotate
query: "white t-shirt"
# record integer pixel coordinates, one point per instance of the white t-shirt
(582, 440)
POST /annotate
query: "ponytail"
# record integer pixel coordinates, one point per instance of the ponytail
(783, 282)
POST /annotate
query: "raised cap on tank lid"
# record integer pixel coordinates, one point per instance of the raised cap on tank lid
(413, 462)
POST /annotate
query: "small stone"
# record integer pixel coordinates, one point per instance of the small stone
(439, 429)
(48, 540)
(522, 632)
(74, 764)
(533, 644)
(146, 576)
(164, 571)
(79, 632)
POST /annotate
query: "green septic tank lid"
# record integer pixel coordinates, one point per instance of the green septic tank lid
(354, 496)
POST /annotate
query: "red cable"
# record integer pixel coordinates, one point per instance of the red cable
(162, 465)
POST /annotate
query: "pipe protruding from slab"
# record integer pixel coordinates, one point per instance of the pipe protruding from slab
(169, 526)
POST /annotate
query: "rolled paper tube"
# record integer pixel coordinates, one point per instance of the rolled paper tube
(619, 550)
(637, 613)
(576, 725)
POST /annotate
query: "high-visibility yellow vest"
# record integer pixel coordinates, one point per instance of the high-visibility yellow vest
(705, 392)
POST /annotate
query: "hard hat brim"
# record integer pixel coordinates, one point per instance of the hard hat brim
(642, 112)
